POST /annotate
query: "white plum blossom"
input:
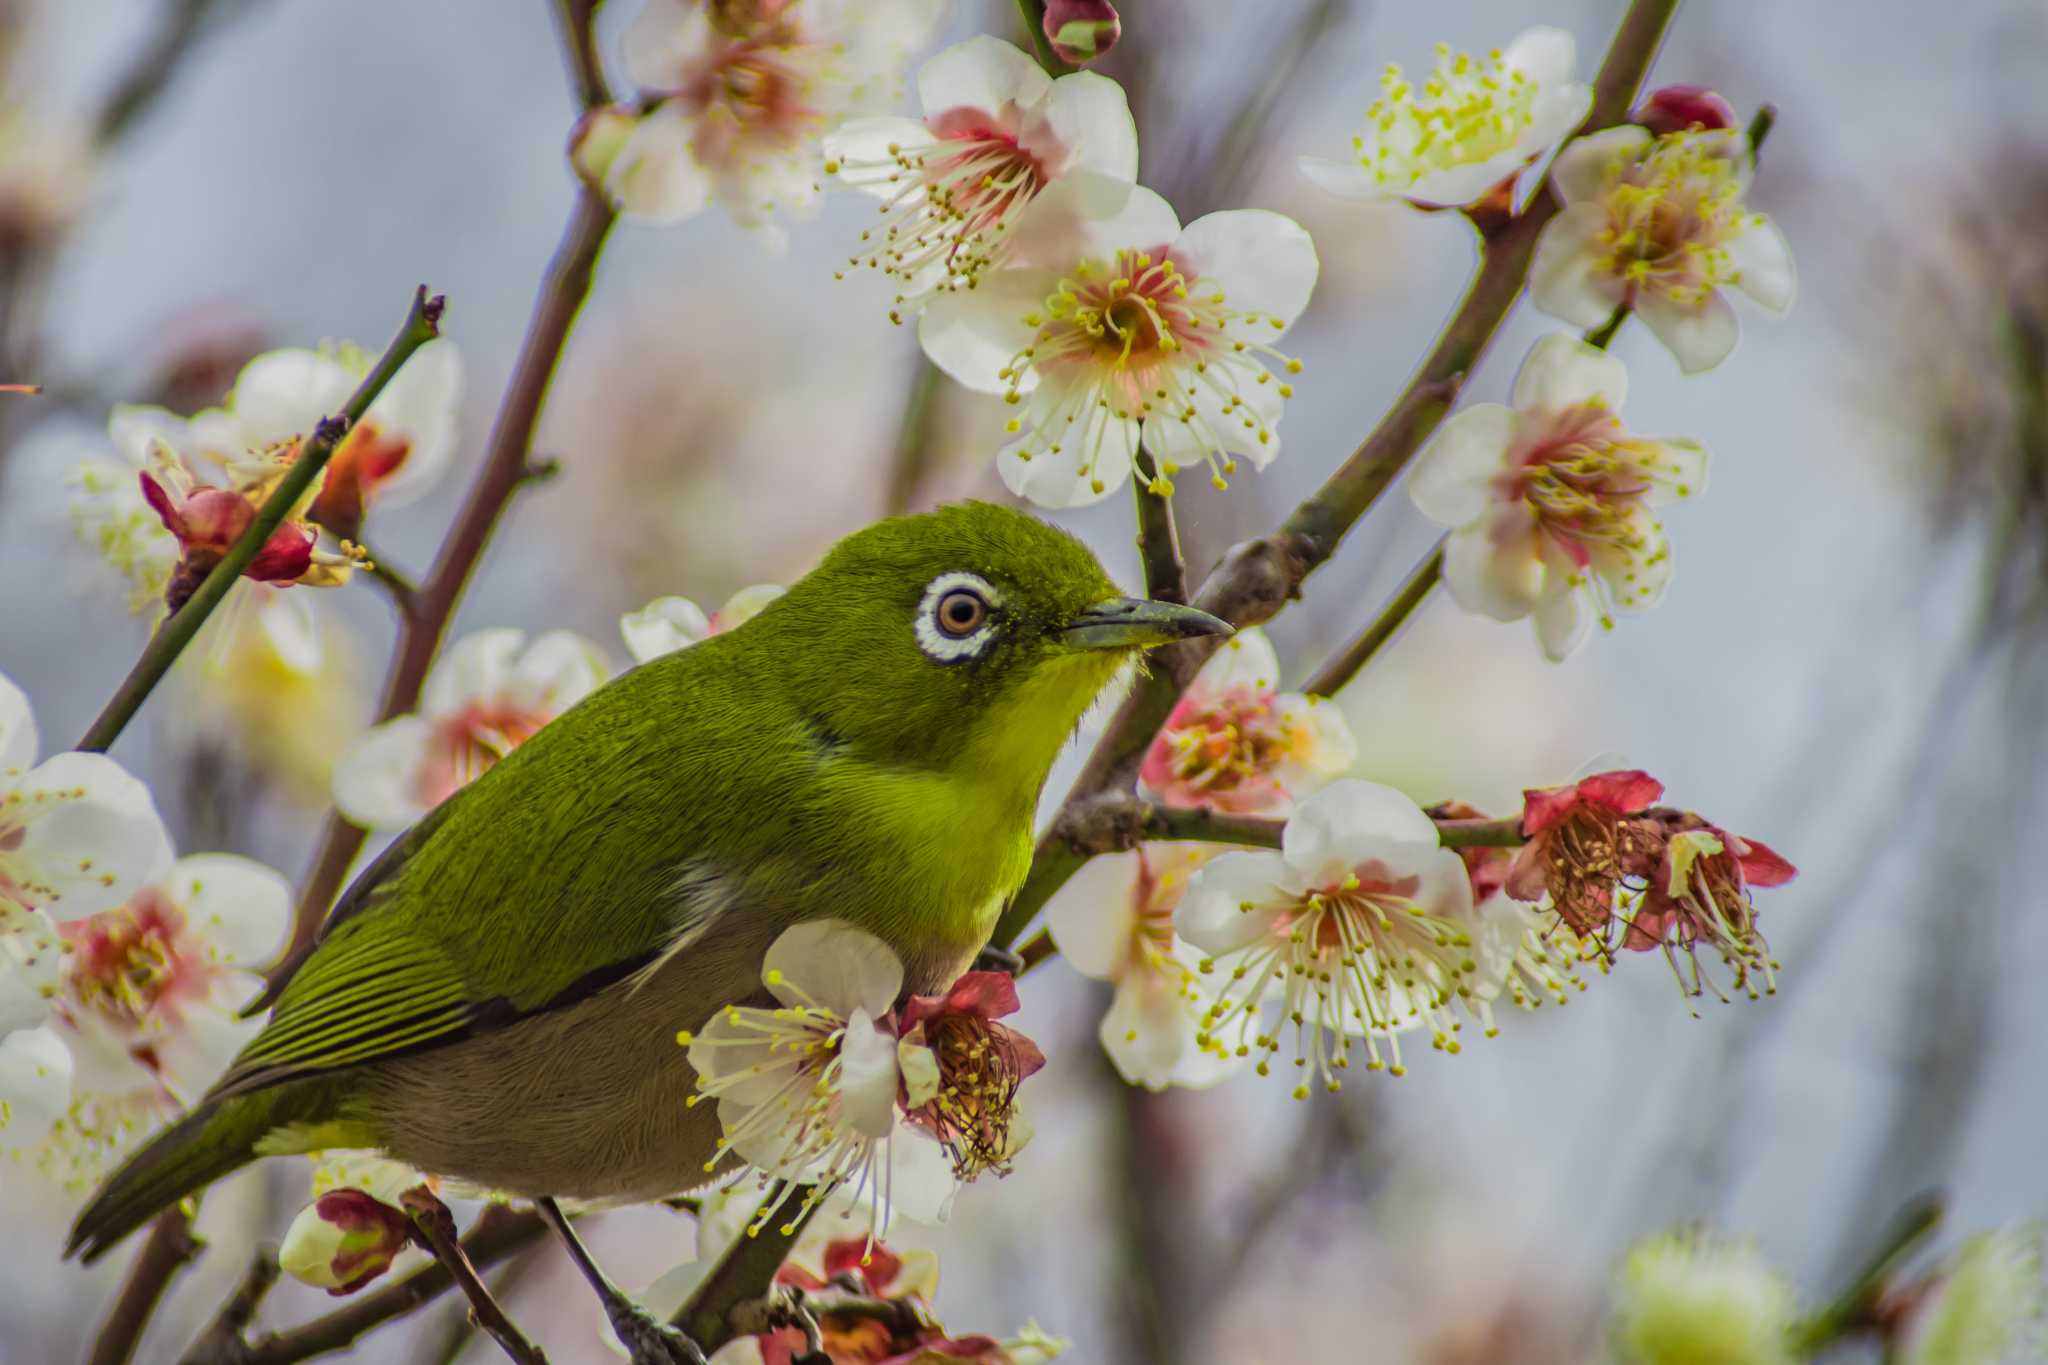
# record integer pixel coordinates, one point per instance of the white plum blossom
(1113, 920)
(956, 183)
(816, 1090)
(1475, 123)
(1552, 501)
(490, 693)
(145, 1009)
(1236, 743)
(1359, 927)
(668, 624)
(1117, 326)
(1658, 224)
(1687, 1297)
(739, 95)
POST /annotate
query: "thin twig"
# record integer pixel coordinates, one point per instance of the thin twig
(1850, 1309)
(1257, 578)
(436, 1230)
(1033, 12)
(914, 438)
(1342, 667)
(390, 578)
(1166, 573)
(148, 74)
(184, 623)
(507, 466)
(223, 1340)
(743, 1273)
(169, 1247)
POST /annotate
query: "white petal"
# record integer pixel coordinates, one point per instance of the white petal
(744, 605)
(193, 1054)
(283, 394)
(1569, 278)
(1453, 479)
(1086, 215)
(1247, 659)
(1330, 827)
(1091, 115)
(1545, 55)
(18, 738)
(867, 1076)
(983, 73)
(135, 429)
(1211, 915)
(1564, 372)
(1323, 743)
(662, 40)
(1264, 262)
(655, 176)
(31, 962)
(1347, 179)
(1699, 337)
(1764, 258)
(1093, 918)
(1455, 185)
(35, 1085)
(240, 906)
(975, 334)
(920, 1181)
(421, 402)
(476, 667)
(91, 841)
(663, 626)
(377, 782)
(1096, 451)
(556, 671)
(1562, 623)
(1147, 1029)
(857, 145)
(1584, 166)
(1555, 112)
(1494, 566)
(1681, 471)
(836, 965)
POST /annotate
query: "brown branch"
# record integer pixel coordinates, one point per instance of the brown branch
(507, 465)
(1342, 667)
(1166, 573)
(1257, 578)
(435, 1228)
(169, 1248)
(743, 1273)
(223, 1341)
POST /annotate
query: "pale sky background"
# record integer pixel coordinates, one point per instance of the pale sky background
(315, 161)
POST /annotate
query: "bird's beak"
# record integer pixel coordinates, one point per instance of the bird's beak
(1138, 623)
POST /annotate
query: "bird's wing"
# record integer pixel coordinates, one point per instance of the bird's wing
(582, 858)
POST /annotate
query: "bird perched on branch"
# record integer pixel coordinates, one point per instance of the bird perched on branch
(497, 996)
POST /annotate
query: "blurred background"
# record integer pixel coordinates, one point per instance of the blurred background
(1849, 664)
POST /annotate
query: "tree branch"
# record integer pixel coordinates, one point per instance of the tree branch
(435, 1228)
(176, 632)
(1166, 574)
(1257, 578)
(1341, 668)
(1851, 1308)
(743, 1273)
(169, 1248)
(222, 1341)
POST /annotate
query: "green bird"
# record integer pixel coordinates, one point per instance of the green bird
(496, 998)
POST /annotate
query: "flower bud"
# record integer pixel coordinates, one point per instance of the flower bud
(1677, 108)
(1690, 1299)
(1082, 30)
(598, 138)
(343, 1240)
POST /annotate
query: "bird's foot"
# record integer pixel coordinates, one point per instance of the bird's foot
(647, 1339)
(994, 959)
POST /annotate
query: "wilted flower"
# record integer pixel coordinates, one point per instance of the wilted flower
(1081, 30)
(343, 1240)
(738, 97)
(1474, 124)
(955, 184)
(1700, 893)
(1986, 1304)
(1361, 926)
(1589, 846)
(668, 624)
(1551, 501)
(488, 695)
(1236, 743)
(1122, 327)
(146, 1005)
(973, 1111)
(1113, 920)
(1658, 224)
(816, 1089)
(1687, 1298)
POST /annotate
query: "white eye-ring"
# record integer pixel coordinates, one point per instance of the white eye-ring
(956, 619)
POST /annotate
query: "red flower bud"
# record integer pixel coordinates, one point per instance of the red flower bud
(343, 1240)
(1082, 30)
(1677, 108)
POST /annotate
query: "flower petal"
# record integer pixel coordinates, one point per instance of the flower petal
(1247, 660)
(1562, 623)
(1495, 566)
(237, 904)
(31, 963)
(1699, 336)
(1547, 56)
(1346, 179)
(1763, 259)
(1586, 164)
(480, 665)
(836, 965)
(192, 1054)
(1680, 471)
(868, 1076)
(1147, 1029)
(1087, 215)
(283, 394)
(1212, 917)
(1091, 115)
(974, 335)
(89, 836)
(377, 782)
(1093, 462)
(665, 37)
(1330, 827)
(1093, 918)
(1453, 479)
(1564, 372)
(18, 739)
(35, 1085)
(1570, 278)
(556, 671)
(983, 73)
(655, 176)
(421, 404)
(865, 151)
(1264, 262)
(663, 626)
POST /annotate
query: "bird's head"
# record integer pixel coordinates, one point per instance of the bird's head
(973, 634)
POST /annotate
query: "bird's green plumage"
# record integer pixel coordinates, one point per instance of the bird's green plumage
(816, 762)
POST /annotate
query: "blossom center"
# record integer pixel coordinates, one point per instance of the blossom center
(1236, 740)
(1468, 109)
(125, 962)
(1671, 211)
(980, 1069)
(751, 98)
(467, 744)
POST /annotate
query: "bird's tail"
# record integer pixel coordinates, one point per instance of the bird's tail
(217, 1137)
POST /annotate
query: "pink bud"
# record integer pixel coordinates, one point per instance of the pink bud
(1677, 108)
(285, 557)
(1082, 30)
(343, 1240)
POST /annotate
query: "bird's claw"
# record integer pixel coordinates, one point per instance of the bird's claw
(994, 959)
(649, 1341)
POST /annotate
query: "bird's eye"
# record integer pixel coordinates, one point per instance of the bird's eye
(961, 612)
